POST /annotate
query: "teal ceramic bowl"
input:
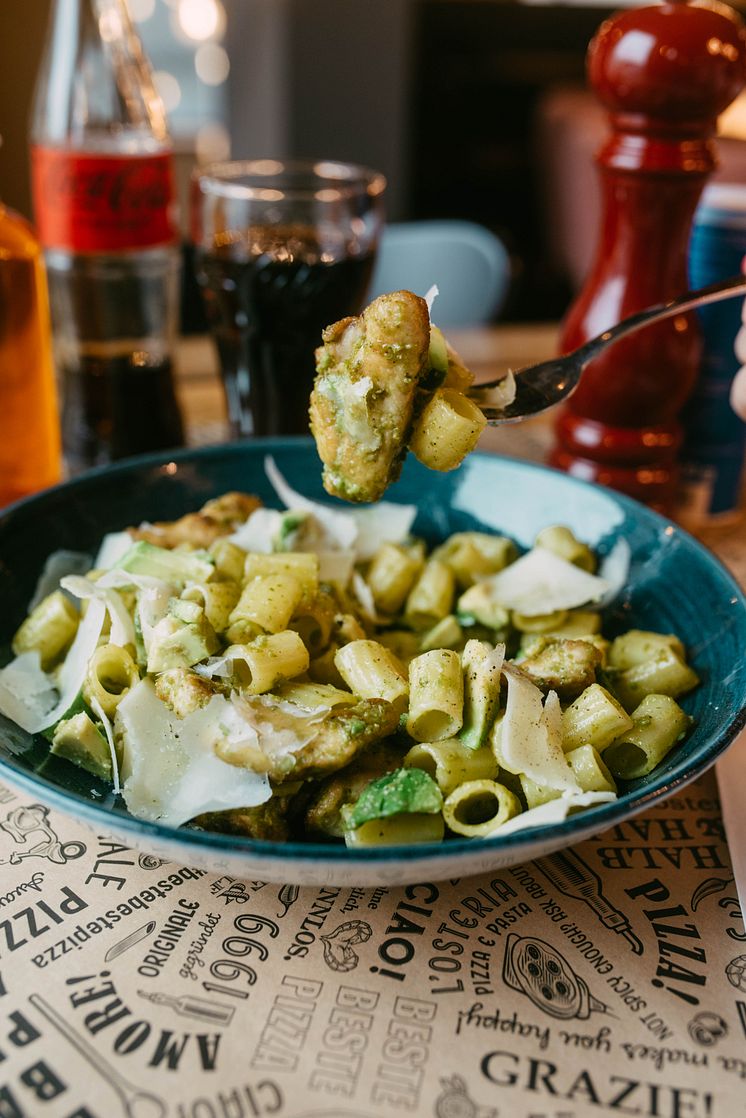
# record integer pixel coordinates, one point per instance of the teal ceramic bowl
(674, 585)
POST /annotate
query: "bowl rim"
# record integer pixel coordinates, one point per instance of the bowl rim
(576, 826)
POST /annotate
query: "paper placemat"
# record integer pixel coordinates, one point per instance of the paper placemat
(605, 979)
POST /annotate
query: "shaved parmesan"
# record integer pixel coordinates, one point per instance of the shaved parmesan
(531, 734)
(26, 692)
(114, 546)
(169, 767)
(360, 530)
(72, 672)
(122, 628)
(340, 526)
(431, 295)
(384, 522)
(364, 597)
(259, 532)
(103, 717)
(152, 601)
(553, 811)
(541, 582)
(58, 564)
(336, 566)
(281, 727)
(502, 393)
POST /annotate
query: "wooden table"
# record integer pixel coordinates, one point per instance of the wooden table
(485, 350)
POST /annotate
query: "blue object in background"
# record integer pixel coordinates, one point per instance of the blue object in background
(469, 264)
(715, 438)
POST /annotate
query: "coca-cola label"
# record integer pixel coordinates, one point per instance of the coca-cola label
(102, 203)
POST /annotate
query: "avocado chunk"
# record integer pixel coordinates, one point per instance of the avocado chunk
(169, 566)
(180, 644)
(79, 740)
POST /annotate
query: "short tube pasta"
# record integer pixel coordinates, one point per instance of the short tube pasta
(536, 794)
(268, 601)
(450, 763)
(229, 559)
(448, 428)
(657, 724)
(302, 565)
(565, 543)
(312, 696)
(446, 634)
(479, 807)
(590, 770)
(268, 660)
(398, 830)
(595, 718)
(431, 598)
(391, 575)
(664, 674)
(436, 696)
(111, 673)
(218, 599)
(373, 672)
(473, 555)
(637, 646)
(539, 622)
(314, 624)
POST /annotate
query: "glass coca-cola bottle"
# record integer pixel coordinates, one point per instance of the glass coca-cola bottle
(103, 190)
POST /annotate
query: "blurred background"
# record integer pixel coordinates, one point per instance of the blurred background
(472, 108)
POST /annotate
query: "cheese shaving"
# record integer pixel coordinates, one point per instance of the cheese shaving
(553, 811)
(531, 734)
(170, 770)
(122, 628)
(27, 693)
(75, 666)
(542, 582)
(103, 717)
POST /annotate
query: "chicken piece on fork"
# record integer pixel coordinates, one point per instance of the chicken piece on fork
(369, 372)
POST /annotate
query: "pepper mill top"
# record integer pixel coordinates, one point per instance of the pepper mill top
(664, 73)
(675, 67)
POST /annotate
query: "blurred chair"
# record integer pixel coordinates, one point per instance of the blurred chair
(469, 264)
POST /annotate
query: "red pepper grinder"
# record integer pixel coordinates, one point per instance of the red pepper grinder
(664, 74)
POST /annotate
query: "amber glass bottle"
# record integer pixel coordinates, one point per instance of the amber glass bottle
(29, 424)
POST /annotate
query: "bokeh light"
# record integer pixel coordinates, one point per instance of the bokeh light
(211, 63)
(168, 88)
(201, 19)
(212, 143)
(141, 10)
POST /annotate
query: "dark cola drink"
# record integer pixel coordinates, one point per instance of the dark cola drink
(103, 185)
(267, 308)
(114, 407)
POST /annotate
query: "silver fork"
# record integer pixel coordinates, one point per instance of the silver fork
(541, 386)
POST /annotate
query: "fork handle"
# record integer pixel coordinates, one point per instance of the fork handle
(713, 293)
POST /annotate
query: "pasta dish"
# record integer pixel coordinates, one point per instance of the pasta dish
(324, 675)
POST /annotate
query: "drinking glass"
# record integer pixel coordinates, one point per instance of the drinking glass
(283, 248)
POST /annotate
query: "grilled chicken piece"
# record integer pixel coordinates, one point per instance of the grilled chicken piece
(219, 517)
(183, 691)
(564, 666)
(369, 370)
(268, 821)
(343, 735)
